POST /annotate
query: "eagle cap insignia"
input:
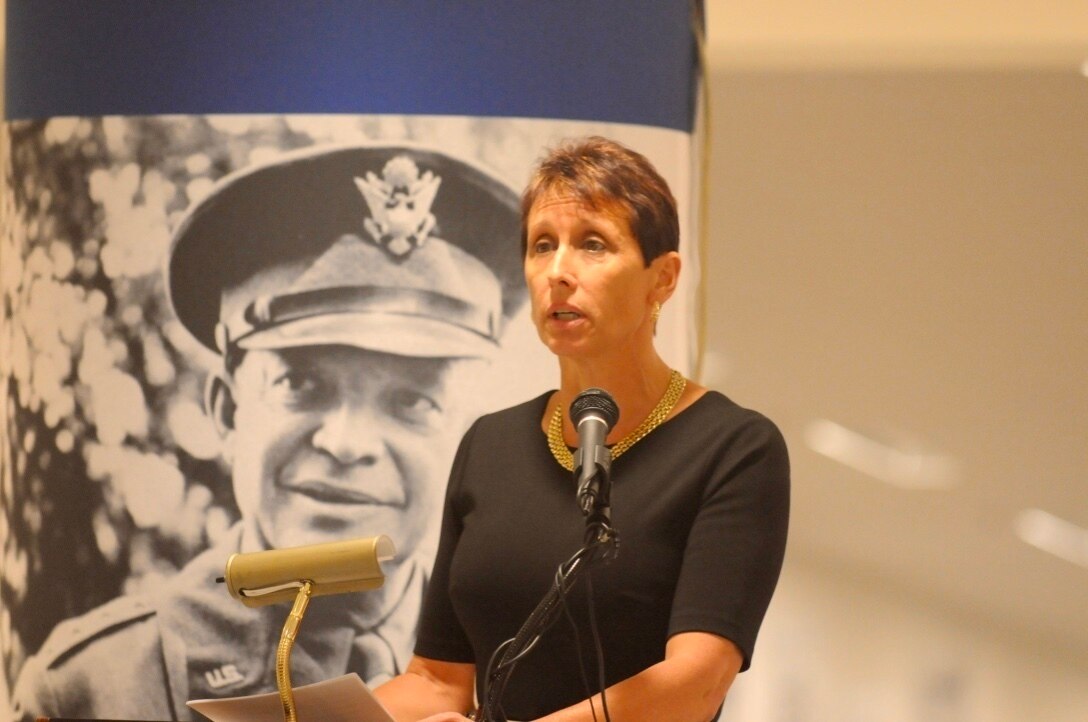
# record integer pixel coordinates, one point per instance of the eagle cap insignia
(400, 205)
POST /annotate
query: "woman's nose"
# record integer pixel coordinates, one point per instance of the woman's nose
(351, 434)
(560, 268)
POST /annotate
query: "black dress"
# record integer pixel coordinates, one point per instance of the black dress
(701, 508)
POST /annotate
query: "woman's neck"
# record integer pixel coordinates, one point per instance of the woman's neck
(636, 385)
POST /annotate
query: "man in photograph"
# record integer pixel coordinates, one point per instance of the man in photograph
(354, 296)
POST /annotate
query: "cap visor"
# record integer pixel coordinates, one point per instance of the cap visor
(401, 335)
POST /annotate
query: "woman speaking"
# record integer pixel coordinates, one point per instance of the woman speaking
(699, 488)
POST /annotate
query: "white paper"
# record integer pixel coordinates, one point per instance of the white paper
(343, 699)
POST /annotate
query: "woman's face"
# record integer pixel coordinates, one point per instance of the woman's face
(590, 289)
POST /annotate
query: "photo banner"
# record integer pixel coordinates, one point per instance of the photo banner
(187, 190)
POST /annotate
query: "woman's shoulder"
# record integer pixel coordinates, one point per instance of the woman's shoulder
(716, 404)
(716, 416)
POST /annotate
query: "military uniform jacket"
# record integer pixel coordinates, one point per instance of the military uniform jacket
(143, 656)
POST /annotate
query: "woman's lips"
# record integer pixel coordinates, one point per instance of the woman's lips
(564, 313)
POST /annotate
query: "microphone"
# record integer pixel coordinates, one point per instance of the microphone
(593, 412)
(269, 577)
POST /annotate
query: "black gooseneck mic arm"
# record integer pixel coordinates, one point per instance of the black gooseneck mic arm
(594, 413)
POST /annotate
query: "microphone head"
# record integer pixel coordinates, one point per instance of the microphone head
(594, 401)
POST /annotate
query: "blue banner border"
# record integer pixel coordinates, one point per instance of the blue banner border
(628, 61)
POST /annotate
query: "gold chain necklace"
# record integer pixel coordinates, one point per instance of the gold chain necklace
(561, 451)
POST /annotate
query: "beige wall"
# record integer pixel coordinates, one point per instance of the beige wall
(897, 33)
(838, 647)
(897, 240)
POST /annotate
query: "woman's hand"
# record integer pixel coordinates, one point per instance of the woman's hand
(428, 685)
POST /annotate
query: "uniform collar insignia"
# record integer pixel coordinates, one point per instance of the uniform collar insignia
(223, 676)
(400, 205)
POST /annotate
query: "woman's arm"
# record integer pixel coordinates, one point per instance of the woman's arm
(689, 685)
(427, 687)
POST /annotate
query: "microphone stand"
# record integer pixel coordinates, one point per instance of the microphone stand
(600, 544)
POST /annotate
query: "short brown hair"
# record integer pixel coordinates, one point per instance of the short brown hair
(602, 173)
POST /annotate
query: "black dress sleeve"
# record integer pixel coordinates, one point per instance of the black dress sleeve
(737, 542)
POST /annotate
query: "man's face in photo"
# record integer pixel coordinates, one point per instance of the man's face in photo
(335, 442)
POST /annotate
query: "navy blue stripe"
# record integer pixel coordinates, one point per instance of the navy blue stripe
(629, 61)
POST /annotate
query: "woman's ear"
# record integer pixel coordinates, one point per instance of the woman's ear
(667, 266)
(219, 406)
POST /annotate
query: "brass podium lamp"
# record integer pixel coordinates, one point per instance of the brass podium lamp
(281, 575)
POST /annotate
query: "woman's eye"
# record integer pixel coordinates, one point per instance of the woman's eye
(594, 245)
(542, 245)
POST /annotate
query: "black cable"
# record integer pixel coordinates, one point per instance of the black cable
(494, 658)
(539, 621)
(578, 655)
(600, 651)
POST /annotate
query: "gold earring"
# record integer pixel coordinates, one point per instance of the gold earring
(655, 313)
